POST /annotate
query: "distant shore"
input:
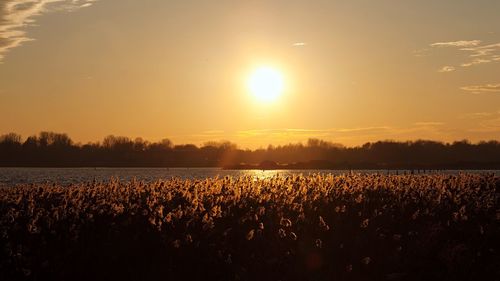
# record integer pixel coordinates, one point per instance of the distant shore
(311, 165)
(327, 165)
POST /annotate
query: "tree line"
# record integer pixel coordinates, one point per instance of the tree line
(49, 149)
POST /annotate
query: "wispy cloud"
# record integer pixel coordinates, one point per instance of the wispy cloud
(213, 132)
(16, 15)
(428, 124)
(311, 132)
(362, 129)
(485, 122)
(490, 125)
(474, 126)
(355, 135)
(209, 134)
(447, 68)
(421, 52)
(475, 50)
(478, 89)
(475, 62)
(281, 132)
(478, 115)
(299, 44)
(462, 43)
(482, 51)
(482, 54)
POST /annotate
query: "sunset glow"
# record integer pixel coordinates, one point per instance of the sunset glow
(251, 72)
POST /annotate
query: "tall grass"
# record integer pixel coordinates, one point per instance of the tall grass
(318, 227)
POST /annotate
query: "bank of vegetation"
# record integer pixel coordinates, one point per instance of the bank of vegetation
(324, 227)
(58, 150)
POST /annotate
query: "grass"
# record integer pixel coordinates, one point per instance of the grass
(318, 227)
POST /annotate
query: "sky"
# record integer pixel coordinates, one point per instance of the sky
(353, 71)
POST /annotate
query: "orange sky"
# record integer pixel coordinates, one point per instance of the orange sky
(353, 71)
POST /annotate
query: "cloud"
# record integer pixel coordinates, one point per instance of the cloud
(310, 132)
(477, 53)
(280, 132)
(462, 43)
(16, 15)
(447, 68)
(474, 126)
(352, 136)
(421, 52)
(428, 124)
(485, 122)
(299, 44)
(478, 115)
(475, 62)
(86, 5)
(209, 134)
(483, 125)
(213, 132)
(481, 51)
(478, 89)
(490, 125)
(362, 129)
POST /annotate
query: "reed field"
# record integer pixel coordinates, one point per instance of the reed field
(315, 227)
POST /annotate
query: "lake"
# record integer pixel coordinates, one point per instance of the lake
(66, 176)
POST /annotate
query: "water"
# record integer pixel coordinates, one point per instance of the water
(66, 176)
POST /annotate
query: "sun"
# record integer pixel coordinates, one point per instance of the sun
(266, 84)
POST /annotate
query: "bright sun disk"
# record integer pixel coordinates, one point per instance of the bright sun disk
(266, 84)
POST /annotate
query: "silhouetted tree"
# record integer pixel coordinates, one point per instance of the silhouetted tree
(56, 149)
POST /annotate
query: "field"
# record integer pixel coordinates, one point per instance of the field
(319, 227)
